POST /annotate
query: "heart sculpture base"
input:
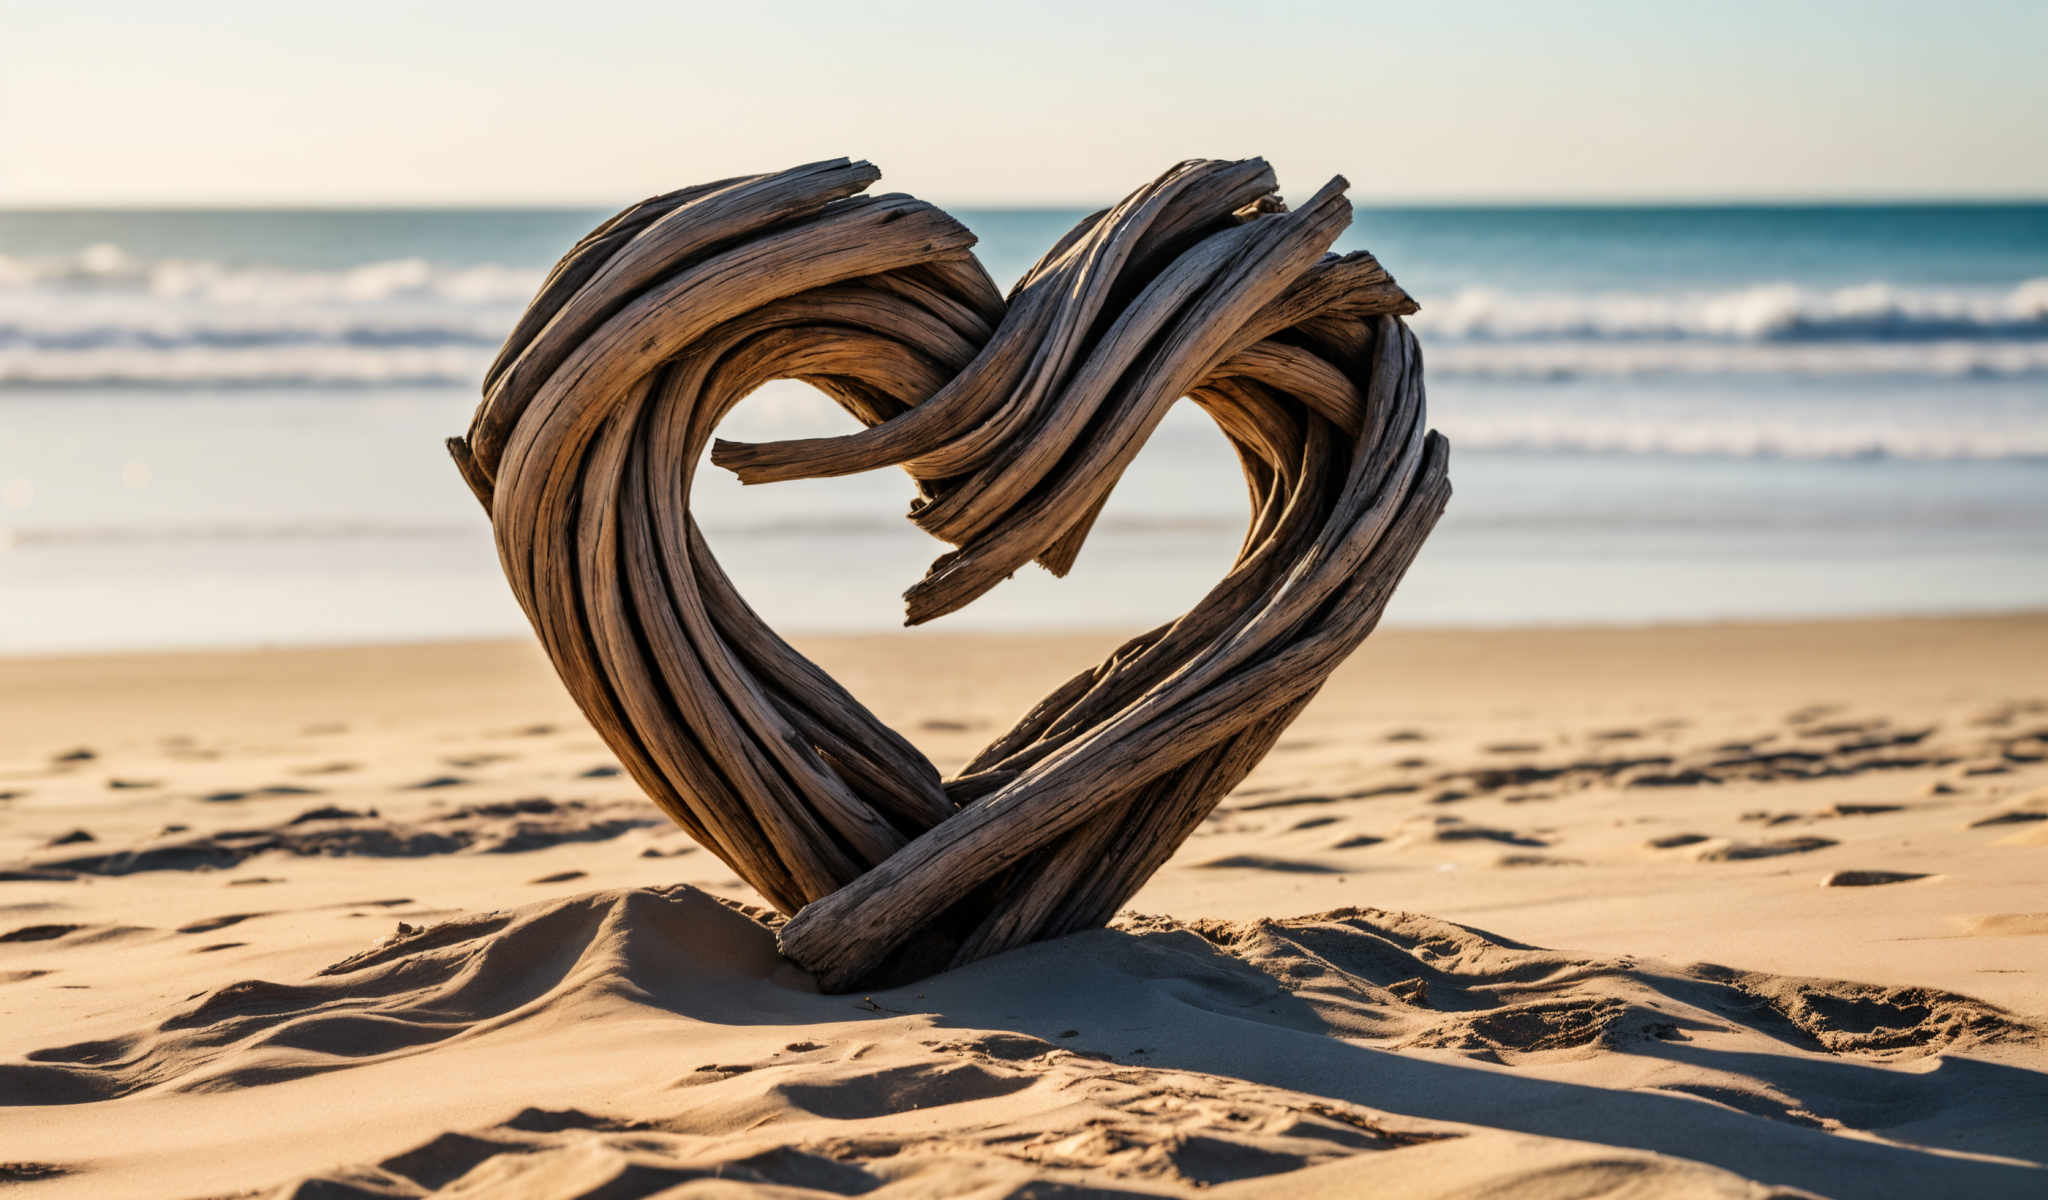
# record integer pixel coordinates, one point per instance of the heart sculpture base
(1014, 417)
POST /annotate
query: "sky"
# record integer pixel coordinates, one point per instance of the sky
(137, 102)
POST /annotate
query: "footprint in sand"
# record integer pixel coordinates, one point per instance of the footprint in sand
(606, 771)
(1686, 777)
(1358, 842)
(1863, 810)
(561, 877)
(331, 813)
(436, 781)
(1871, 878)
(70, 757)
(1385, 789)
(1744, 851)
(38, 933)
(75, 837)
(526, 807)
(2016, 816)
(270, 789)
(1260, 862)
(209, 924)
(1672, 841)
(1452, 829)
(1294, 801)
(332, 768)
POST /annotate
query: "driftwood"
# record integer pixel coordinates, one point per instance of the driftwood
(1014, 417)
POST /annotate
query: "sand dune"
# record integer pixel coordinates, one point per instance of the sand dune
(360, 940)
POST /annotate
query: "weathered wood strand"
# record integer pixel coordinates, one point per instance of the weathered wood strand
(1014, 417)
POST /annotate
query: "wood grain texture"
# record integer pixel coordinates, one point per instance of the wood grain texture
(1015, 416)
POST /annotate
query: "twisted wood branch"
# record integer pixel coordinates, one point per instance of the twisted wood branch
(1015, 417)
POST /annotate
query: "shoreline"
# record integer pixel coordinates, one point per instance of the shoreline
(828, 634)
(393, 676)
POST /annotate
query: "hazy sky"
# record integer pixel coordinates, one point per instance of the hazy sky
(1050, 102)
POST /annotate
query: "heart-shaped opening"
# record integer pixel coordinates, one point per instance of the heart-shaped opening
(1016, 417)
(834, 555)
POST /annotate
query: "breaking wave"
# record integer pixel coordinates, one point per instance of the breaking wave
(1769, 313)
(1776, 329)
(1451, 358)
(103, 318)
(106, 270)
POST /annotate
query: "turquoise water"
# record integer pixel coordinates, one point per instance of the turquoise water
(223, 427)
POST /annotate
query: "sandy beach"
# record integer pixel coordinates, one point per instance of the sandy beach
(1733, 910)
(656, 602)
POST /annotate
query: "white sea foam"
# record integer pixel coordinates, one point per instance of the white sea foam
(1773, 312)
(102, 317)
(1578, 359)
(108, 269)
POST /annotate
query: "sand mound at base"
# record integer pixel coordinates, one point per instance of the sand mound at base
(677, 948)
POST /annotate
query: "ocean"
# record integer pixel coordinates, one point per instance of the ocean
(224, 427)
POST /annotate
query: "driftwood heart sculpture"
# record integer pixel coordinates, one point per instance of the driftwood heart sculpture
(1014, 418)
